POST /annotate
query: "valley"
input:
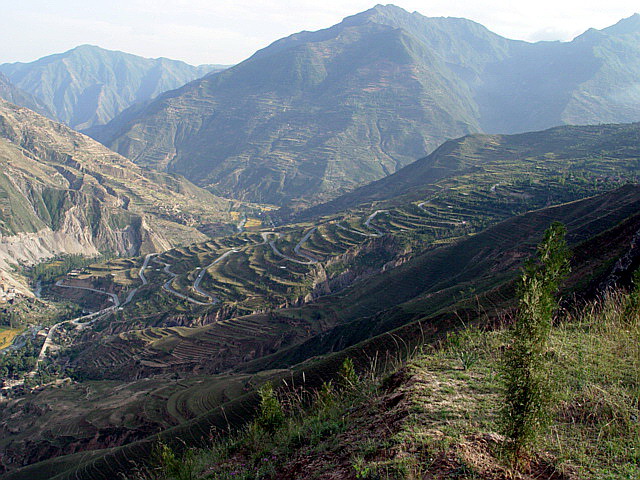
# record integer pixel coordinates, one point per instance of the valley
(336, 258)
(203, 311)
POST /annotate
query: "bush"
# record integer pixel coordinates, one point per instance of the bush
(347, 375)
(466, 346)
(270, 414)
(172, 466)
(526, 410)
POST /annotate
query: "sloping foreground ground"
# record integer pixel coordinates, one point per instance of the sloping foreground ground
(414, 303)
(437, 416)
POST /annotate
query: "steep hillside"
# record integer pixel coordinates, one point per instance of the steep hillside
(88, 85)
(437, 416)
(493, 163)
(178, 376)
(13, 94)
(318, 113)
(61, 192)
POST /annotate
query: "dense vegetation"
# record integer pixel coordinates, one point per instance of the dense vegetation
(61, 265)
(15, 363)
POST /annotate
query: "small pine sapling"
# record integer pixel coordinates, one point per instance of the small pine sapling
(526, 410)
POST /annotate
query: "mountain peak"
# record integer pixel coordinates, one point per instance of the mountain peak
(625, 26)
(385, 14)
(86, 47)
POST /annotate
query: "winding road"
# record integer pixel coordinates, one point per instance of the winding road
(196, 284)
(166, 286)
(428, 212)
(357, 232)
(371, 217)
(143, 279)
(272, 243)
(114, 298)
(86, 320)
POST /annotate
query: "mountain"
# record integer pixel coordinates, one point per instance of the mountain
(314, 113)
(592, 153)
(318, 113)
(89, 85)
(13, 94)
(62, 192)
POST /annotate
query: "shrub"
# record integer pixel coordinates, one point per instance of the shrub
(466, 346)
(347, 375)
(526, 410)
(270, 414)
(171, 465)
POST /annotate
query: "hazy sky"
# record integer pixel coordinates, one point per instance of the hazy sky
(226, 32)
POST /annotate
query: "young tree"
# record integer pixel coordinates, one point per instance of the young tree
(526, 408)
(270, 415)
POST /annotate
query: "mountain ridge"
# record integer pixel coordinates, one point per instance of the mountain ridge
(13, 94)
(62, 192)
(572, 144)
(88, 85)
(323, 112)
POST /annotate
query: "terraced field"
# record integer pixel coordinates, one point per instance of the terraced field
(254, 271)
(175, 366)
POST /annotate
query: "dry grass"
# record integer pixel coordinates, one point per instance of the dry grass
(253, 223)
(7, 335)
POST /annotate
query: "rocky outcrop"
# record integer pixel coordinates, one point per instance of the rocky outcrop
(63, 193)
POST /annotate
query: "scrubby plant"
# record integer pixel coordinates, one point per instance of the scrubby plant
(465, 345)
(270, 415)
(526, 410)
(171, 465)
(348, 378)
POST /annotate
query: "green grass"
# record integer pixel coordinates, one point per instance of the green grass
(446, 408)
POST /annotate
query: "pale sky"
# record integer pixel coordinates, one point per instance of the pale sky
(227, 32)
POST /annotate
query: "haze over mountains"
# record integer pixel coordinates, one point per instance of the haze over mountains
(89, 85)
(15, 95)
(318, 113)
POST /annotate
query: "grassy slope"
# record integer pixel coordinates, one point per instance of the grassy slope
(404, 332)
(437, 417)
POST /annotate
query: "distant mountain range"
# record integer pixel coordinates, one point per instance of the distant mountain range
(318, 113)
(62, 192)
(89, 85)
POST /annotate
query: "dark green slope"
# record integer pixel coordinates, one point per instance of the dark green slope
(394, 312)
(88, 85)
(318, 113)
(602, 151)
(473, 267)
